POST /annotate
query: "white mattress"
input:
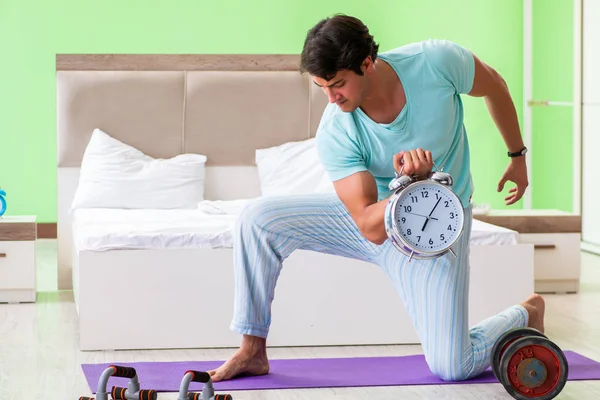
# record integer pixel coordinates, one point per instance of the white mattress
(209, 226)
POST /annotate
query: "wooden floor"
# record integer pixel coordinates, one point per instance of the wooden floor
(39, 356)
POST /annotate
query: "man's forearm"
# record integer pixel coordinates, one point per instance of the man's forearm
(372, 224)
(502, 110)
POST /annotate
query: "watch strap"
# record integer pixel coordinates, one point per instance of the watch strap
(519, 153)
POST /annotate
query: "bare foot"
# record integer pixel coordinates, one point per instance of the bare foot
(250, 359)
(536, 307)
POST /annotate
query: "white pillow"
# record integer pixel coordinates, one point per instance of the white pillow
(116, 175)
(292, 168)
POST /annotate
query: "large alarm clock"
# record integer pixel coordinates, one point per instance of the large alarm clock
(424, 218)
(2, 202)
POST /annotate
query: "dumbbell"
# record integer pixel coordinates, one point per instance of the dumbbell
(132, 392)
(529, 365)
(208, 392)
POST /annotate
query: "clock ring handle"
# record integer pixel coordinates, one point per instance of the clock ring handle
(398, 174)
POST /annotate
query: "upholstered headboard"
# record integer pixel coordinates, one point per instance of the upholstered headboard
(222, 106)
(225, 112)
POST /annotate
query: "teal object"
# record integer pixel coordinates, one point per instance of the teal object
(2, 202)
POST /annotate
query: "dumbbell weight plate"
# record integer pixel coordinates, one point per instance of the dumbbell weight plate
(533, 368)
(504, 341)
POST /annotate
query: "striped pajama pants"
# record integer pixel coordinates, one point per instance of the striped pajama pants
(434, 292)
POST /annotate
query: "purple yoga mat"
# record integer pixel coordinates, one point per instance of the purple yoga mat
(313, 373)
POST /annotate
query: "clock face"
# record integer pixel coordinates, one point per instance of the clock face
(429, 216)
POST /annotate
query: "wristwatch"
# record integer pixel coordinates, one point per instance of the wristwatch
(519, 153)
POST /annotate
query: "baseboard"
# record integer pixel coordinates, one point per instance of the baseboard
(590, 247)
(46, 230)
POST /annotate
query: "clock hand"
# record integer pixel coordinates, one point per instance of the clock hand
(421, 215)
(429, 216)
(434, 207)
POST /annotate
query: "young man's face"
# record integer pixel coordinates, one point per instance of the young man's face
(346, 89)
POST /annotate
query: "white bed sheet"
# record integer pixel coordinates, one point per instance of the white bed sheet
(209, 226)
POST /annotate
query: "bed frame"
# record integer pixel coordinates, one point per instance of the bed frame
(225, 107)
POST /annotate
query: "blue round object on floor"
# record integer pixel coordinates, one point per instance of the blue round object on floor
(2, 202)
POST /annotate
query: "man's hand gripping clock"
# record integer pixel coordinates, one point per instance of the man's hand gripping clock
(417, 163)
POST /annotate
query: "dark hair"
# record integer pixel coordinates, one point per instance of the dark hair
(336, 43)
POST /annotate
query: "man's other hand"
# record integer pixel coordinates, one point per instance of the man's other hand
(515, 172)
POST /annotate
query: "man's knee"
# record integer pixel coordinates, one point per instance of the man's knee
(448, 370)
(256, 212)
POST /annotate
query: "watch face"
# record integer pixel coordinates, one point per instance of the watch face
(429, 217)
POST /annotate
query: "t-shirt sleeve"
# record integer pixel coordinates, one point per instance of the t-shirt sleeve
(453, 62)
(338, 152)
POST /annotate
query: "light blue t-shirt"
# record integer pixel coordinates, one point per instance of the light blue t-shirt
(434, 73)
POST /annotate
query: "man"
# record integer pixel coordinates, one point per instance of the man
(399, 109)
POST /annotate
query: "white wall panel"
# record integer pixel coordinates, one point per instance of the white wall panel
(590, 208)
(591, 51)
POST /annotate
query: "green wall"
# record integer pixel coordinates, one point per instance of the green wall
(552, 155)
(32, 33)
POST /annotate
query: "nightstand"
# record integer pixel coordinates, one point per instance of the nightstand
(556, 236)
(17, 259)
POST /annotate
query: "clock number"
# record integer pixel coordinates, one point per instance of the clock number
(414, 199)
(418, 239)
(425, 194)
(449, 227)
(451, 215)
(403, 220)
(437, 196)
(409, 232)
(442, 237)
(407, 208)
(430, 241)
(446, 201)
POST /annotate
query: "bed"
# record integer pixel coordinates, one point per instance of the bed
(151, 278)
